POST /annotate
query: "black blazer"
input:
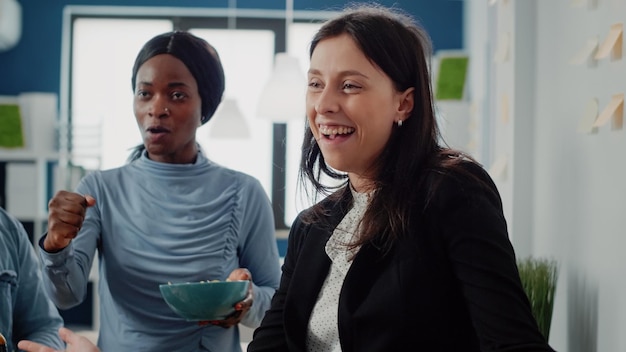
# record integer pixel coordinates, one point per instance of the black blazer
(451, 284)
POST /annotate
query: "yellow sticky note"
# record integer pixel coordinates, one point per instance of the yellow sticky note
(498, 168)
(504, 109)
(502, 49)
(612, 44)
(587, 52)
(589, 117)
(615, 110)
(493, 2)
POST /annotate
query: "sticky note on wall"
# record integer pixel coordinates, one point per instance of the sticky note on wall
(493, 2)
(502, 49)
(612, 44)
(586, 124)
(587, 53)
(613, 111)
(451, 78)
(498, 169)
(11, 131)
(504, 109)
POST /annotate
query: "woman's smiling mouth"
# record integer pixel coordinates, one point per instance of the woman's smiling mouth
(333, 131)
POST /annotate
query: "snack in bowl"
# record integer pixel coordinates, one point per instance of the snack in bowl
(204, 300)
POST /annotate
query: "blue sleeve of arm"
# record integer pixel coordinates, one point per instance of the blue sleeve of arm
(67, 271)
(259, 252)
(36, 317)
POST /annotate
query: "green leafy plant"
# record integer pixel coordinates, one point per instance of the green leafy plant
(539, 277)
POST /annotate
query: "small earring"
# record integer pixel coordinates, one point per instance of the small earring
(399, 122)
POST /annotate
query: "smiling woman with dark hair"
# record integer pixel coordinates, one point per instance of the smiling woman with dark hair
(410, 251)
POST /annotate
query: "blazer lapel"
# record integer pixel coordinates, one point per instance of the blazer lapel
(310, 272)
(367, 267)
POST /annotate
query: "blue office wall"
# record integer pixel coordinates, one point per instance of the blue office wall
(34, 63)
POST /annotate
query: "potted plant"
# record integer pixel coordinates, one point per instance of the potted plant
(539, 277)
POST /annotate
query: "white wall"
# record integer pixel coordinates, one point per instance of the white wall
(572, 206)
(580, 192)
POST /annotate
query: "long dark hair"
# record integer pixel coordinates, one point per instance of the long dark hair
(401, 48)
(200, 58)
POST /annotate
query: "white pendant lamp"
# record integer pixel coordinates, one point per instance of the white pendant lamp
(228, 122)
(283, 97)
(10, 24)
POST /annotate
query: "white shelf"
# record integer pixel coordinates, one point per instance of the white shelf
(26, 155)
(40, 188)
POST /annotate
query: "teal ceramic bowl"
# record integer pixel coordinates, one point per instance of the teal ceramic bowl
(207, 300)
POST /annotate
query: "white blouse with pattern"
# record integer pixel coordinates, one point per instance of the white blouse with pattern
(323, 334)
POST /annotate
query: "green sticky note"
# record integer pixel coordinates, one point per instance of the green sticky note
(451, 78)
(11, 132)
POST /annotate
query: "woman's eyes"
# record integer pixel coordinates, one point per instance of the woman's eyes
(350, 86)
(142, 93)
(314, 84)
(344, 86)
(174, 95)
(178, 95)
